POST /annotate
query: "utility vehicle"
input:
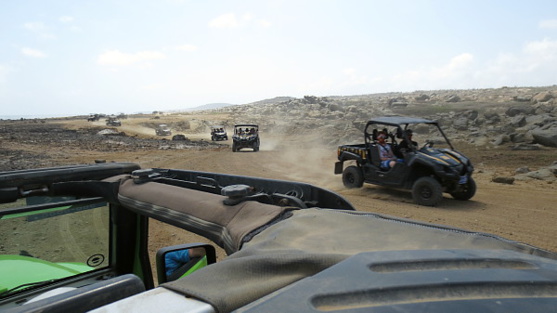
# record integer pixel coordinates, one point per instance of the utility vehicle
(112, 121)
(427, 171)
(218, 133)
(75, 239)
(163, 130)
(245, 136)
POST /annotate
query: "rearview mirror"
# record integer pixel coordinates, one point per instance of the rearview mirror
(174, 262)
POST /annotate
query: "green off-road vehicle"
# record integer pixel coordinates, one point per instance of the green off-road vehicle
(427, 169)
(75, 239)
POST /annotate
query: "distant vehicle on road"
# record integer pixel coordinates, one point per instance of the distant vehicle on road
(93, 117)
(218, 133)
(245, 136)
(112, 121)
(163, 130)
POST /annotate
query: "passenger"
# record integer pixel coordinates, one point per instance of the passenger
(388, 159)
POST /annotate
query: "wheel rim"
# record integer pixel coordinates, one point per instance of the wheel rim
(426, 193)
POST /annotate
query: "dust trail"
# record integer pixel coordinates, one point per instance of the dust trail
(305, 161)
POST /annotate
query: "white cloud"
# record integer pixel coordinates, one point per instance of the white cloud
(33, 53)
(545, 49)
(247, 17)
(66, 19)
(188, 48)
(457, 64)
(263, 23)
(349, 71)
(156, 86)
(454, 74)
(40, 29)
(227, 20)
(548, 24)
(230, 20)
(34, 26)
(117, 58)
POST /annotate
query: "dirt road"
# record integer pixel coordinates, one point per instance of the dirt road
(523, 211)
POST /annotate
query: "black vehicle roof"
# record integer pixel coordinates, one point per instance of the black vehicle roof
(244, 125)
(399, 120)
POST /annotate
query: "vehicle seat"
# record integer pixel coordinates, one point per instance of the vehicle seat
(374, 151)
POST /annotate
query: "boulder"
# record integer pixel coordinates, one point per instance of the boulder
(453, 98)
(501, 139)
(460, 123)
(522, 98)
(546, 137)
(542, 174)
(422, 97)
(518, 121)
(542, 97)
(523, 109)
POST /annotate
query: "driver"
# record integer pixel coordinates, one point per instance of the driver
(407, 143)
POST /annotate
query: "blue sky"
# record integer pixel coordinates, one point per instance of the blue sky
(64, 57)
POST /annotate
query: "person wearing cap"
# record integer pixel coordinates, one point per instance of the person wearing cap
(407, 143)
(388, 159)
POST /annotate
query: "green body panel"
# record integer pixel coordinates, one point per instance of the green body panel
(16, 270)
(202, 263)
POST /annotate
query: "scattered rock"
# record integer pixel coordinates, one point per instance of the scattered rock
(528, 147)
(503, 180)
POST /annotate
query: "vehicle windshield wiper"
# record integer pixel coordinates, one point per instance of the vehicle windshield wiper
(26, 285)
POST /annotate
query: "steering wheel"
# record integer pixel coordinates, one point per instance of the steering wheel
(428, 144)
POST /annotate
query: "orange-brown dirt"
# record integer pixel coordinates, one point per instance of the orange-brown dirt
(524, 211)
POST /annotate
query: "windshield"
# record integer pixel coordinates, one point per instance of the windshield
(52, 242)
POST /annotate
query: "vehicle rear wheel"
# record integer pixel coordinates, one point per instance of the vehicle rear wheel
(352, 177)
(427, 191)
(467, 191)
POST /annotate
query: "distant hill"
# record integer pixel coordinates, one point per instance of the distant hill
(272, 100)
(213, 106)
(210, 106)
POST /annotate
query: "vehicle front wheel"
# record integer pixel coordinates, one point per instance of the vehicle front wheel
(427, 191)
(467, 191)
(352, 177)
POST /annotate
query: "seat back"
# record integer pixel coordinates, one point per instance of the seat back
(374, 155)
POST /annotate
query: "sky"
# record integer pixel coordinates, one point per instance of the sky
(66, 57)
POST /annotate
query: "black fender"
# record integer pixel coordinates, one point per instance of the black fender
(346, 156)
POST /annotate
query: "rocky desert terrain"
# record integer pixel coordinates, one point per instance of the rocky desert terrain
(510, 134)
